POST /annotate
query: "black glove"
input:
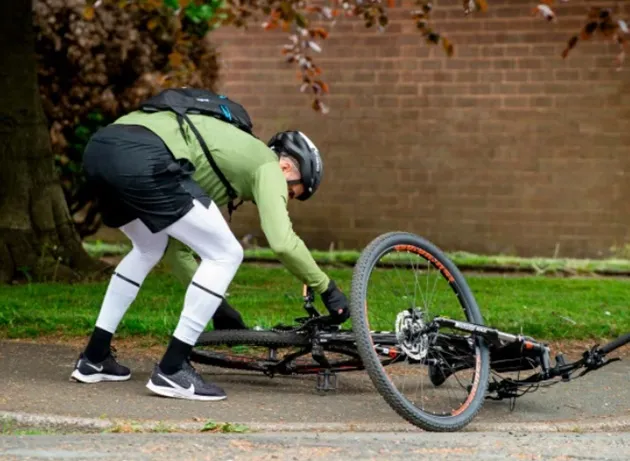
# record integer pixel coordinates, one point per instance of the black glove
(227, 318)
(336, 303)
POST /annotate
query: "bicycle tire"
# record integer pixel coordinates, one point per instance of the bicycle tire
(269, 339)
(252, 338)
(362, 270)
(615, 344)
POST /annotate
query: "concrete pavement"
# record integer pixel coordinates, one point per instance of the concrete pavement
(36, 391)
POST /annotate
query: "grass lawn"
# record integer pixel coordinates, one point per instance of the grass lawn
(546, 308)
(620, 264)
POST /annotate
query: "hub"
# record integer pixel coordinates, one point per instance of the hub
(409, 333)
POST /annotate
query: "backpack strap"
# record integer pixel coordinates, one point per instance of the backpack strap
(230, 190)
(189, 100)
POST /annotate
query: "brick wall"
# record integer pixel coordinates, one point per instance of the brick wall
(503, 148)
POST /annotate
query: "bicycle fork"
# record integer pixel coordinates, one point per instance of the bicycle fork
(496, 338)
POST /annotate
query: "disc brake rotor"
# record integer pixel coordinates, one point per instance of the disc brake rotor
(409, 332)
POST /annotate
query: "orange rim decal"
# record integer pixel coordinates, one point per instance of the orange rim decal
(430, 257)
(475, 386)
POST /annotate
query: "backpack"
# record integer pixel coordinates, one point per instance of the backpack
(183, 101)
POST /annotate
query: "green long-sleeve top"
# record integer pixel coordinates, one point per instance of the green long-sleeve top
(253, 171)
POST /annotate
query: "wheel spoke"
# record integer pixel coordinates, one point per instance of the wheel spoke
(435, 387)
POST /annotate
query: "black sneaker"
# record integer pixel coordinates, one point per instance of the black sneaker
(186, 383)
(86, 371)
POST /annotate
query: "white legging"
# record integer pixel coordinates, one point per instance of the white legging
(206, 232)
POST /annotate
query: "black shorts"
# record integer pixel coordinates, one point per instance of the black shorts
(134, 176)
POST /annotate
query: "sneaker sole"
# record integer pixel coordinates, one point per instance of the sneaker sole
(180, 394)
(96, 377)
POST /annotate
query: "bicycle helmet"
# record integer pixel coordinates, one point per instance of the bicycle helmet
(297, 145)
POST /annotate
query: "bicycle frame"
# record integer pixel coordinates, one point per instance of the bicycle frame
(430, 348)
(592, 359)
(498, 341)
(509, 353)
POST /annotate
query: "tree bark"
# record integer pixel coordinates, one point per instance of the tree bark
(37, 238)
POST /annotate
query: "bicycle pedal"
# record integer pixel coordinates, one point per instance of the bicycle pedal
(326, 381)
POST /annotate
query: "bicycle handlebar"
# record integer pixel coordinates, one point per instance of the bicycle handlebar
(611, 346)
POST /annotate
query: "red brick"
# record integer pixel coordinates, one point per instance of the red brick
(439, 76)
(414, 102)
(511, 25)
(531, 88)
(467, 77)
(399, 89)
(467, 51)
(415, 51)
(480, 65)
(518, 50)
(440, 101)
(456, 64)
(386, 51)
(541, 75)
(480, 89)
(422, 124)
(505, 88)
(365, 100)
(530, 63)
(387, 101)
(431, 64)
(493, 51)
(437, 89)
(408, 64)
(546, 50)
(492, 77)
(515, 101)
(467, 101)
(516, 76)
(504, 64)
(567, 74)
(541, 101)
(388, 77)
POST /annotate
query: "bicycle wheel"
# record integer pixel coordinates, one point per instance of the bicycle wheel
(403, 281)
(270, 352)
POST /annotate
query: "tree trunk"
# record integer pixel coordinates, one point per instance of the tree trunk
(37, 237)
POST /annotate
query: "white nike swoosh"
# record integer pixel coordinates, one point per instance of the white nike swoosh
(191, 389)
(99, 368)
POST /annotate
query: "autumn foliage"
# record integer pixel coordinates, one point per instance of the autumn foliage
(295, 16)
(96, 63)
(99, 58)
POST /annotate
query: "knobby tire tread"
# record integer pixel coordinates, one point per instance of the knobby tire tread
(394, 398)
(252, 338)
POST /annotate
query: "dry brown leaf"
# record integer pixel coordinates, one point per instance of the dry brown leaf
(153, 23)
(175, 59)
(88, 13)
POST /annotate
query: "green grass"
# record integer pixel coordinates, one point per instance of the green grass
(10, 427)
(547, 308)
(464, 260)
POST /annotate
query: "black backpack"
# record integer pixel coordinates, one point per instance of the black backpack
(183, 101)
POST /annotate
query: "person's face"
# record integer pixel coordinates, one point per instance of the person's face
(290, 174)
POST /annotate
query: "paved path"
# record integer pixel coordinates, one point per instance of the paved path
(320, 447)
(34, 381)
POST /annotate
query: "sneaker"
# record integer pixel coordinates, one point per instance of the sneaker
(186, 383)
(86, 371)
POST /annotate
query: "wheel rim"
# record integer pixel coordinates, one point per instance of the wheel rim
(406, 287)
